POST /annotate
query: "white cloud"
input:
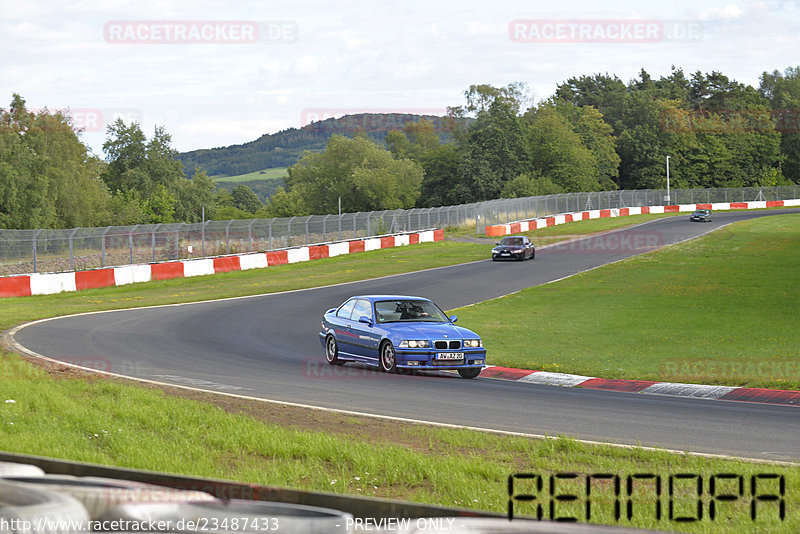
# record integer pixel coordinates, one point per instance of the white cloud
(726, 12)
(305, 65)
(349, 55)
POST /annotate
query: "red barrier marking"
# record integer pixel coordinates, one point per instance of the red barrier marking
(277, 257)
(515, 228)
(738, 205)
(605, 213)
(774, 203)
(318, 252)
(496, 230)
(615, 384)
(226, 264)
(413, 239)
(15, 286)
(509, 373)
(703, 206)
(550, 221)
(387, 242)
(165, 271)
(438, 235)
(356, 246)
(568, 218)
(624, 211)
(95, 278)
(672, 209)
(769, 396)
(645, 209)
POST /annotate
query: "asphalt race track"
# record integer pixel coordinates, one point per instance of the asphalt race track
(267, 347)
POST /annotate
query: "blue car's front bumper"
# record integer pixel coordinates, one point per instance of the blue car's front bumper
(427, 359)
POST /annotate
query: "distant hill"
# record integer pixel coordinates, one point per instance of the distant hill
(284, 148)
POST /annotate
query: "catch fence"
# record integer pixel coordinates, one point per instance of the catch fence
(49, 250)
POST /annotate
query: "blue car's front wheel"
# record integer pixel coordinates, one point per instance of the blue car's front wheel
(388, 357)
(470, 372)
(332, 351)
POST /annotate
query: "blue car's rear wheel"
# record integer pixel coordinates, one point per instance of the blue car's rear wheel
(332, 351)
(388, 358)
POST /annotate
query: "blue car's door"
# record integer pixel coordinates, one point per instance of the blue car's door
(365, 335)
(342, 328)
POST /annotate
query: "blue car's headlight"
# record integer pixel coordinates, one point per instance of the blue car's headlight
(473, 343)
(414, 344)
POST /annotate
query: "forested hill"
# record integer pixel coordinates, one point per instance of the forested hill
(283, 149)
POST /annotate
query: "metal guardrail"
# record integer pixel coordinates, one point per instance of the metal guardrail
(225, 490)
(364, 508)
(49, 250)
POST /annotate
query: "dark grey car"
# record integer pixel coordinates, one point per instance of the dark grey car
(514, 247)
(701, 216)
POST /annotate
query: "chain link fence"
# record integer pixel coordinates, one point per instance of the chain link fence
(515, 209)
(45, 250)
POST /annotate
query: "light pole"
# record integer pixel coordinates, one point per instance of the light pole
(668, 197)
(203, 230)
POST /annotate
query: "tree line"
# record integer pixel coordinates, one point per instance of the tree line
(594, 133)
(284, 148)
(50, 179)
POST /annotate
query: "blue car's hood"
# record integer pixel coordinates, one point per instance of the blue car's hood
(422, 330)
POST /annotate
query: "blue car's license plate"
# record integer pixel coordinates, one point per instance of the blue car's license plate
(450, 356)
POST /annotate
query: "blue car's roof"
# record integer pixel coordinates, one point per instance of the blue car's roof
(373, 298)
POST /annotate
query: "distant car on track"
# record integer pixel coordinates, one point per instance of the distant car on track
(514, 247)
(700, 216)
(399, 332)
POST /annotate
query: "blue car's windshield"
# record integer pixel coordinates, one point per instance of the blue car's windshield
(394, 311)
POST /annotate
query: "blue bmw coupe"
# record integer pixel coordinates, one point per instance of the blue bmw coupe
(397, 332)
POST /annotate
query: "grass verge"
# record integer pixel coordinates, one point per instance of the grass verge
(551, 234)
(315, 273)
(721, 309)
(114, 423)
(56, 413)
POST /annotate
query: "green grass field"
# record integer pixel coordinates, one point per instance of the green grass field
(547, 235)
(721, 309)
(658, 302)
(114, 423)
(272, 173)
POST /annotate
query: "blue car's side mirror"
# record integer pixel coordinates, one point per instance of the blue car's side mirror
(453, 318)
(365, 319)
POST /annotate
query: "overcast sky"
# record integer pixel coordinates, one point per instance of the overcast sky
(217, 73)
